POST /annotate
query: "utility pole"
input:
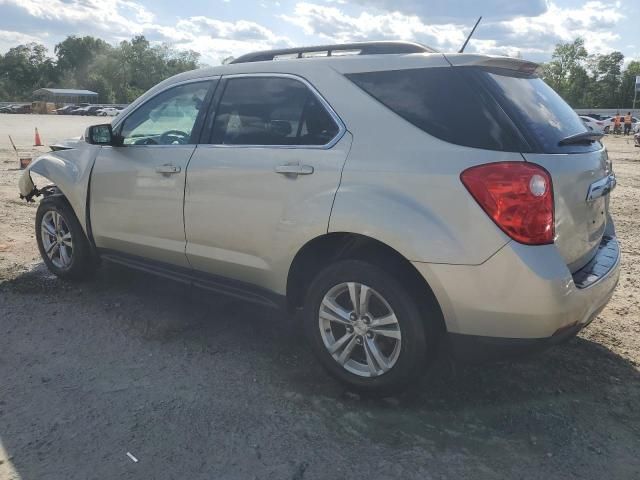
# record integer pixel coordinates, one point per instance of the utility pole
(635, 92)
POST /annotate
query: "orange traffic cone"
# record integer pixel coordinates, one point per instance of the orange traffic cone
(37, 142)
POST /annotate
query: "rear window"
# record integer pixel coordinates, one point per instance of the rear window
(491, 109)
(541, 114)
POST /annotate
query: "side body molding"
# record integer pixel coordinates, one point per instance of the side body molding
(70, 171)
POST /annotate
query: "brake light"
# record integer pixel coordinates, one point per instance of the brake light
(518, 197)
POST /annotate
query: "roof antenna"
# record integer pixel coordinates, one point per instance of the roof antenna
(470, 35)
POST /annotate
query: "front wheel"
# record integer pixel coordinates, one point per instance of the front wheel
(606, 130)
(366, 329)
(63, 245)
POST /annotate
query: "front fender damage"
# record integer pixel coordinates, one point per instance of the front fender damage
(69, 171)
(29, 191)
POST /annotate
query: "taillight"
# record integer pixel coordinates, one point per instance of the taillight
(518, 197)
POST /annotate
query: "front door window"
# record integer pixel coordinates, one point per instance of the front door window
(168, 118)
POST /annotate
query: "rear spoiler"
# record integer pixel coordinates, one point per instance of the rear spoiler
(508, 63)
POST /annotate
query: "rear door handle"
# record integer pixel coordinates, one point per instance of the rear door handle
(167, 169)
(294, 169)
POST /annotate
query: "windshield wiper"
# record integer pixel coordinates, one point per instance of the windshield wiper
(584, 137)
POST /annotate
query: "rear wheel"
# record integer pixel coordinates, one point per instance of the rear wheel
(366, 328)
(63, 245)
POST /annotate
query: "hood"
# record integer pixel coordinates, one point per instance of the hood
(68, 144)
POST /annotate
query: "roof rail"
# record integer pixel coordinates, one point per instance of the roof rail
(358, 48)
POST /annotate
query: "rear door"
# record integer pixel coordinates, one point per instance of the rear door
(263, 183)
(580, 169)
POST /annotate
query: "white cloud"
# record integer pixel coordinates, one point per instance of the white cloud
(117, 20)
(595, 21)
(434, 9)
(115, 16)
(9, 39)
(217, 39)
(530, 28)
(334, 25)
(528, 36)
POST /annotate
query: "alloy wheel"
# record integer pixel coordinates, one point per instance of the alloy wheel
(360, 329)
(56, 239)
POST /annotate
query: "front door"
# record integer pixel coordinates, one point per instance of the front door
(137, 189)
(264, 182)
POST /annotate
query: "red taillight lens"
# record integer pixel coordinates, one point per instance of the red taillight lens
(518, 197)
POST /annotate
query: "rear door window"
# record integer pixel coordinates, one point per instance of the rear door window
(446, 104)
(271, 111)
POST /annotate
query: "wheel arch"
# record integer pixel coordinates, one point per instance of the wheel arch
(320, 251)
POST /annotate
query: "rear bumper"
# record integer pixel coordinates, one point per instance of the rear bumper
(522, 299)
(475, 348)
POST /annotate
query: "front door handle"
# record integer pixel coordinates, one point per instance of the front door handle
(294, 169)
(167, 169)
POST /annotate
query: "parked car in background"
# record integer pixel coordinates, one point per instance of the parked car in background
(341, 189)
(89, 110)
(24, 108)
(6, 109)
(596, 116)
(593, 124)
(108, 112)
(66, 110)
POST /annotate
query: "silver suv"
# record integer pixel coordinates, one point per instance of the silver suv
(405, 202)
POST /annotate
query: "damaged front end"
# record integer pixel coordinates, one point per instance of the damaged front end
(68, 172)
(29, 191)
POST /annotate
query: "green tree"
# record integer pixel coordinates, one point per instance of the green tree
(76, 54)
(627, 85)
(118, 73)
(25, 68)
(566, 72)
(605, 88)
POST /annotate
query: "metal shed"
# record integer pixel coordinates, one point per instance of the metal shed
(63, 96)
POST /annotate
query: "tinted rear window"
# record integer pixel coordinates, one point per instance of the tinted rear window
(541, 114)
(490, 109)
(441, 102)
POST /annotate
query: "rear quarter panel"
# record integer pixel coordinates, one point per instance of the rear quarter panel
(402, 186)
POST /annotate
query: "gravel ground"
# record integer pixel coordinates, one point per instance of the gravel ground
(196, 386)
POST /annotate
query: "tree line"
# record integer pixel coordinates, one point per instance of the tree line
(119, 74)
(591, 81)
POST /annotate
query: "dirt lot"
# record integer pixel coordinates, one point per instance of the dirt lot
(199, 387)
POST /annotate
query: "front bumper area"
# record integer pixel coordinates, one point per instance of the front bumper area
(522, 299)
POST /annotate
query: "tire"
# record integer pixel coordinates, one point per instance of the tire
(606, 130)
(405, 358)
(70, 256)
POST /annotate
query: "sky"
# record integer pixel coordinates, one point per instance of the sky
(221, 28)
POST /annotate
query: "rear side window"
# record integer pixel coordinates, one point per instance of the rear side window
(445, 103)
(271, 111)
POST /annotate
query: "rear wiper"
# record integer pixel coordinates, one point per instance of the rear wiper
(584, 137)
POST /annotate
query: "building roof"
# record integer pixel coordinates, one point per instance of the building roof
(65, 92)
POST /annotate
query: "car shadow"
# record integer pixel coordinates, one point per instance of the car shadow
(168, 347)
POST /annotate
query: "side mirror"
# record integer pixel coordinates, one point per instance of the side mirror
(99, 135)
